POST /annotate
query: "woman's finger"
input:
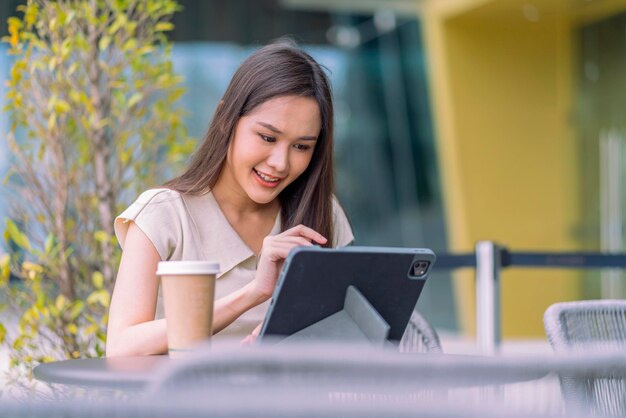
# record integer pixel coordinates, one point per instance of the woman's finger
(307, 232)
(257, 330)
(290, 241)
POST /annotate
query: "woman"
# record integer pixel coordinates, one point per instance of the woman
(260, 184)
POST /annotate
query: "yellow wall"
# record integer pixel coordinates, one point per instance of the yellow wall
(502, 92)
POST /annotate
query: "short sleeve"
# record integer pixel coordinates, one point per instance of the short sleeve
(341, 226)
(156, 212)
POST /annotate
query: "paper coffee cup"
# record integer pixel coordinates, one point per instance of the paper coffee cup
(188, 296)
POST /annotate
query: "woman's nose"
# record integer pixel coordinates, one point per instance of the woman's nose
(279, 160)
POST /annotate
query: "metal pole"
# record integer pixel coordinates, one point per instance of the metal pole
(611, 232)
(488, 297)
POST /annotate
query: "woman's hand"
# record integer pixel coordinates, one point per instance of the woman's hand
(273, 253)
(251, 338)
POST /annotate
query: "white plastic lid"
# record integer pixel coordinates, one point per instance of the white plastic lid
(187, 267)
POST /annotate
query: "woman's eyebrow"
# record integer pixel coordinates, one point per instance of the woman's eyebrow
(278, 131)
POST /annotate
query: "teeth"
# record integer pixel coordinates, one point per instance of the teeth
(266, 178)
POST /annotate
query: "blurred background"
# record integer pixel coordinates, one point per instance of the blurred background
(456, 121)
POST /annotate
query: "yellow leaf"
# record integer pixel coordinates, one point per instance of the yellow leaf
(98, 279)
(130, 45)
(14, 39)
(29, 266)
(62, 106)
(34, 313)
(76, 310)
(72, 329)
(134, 99)
(17, 236)
(125, 157)
(105, 41)
(60, 302)
(4, 260)
(164, 26)
(75, 96)
(100, 296)
(101, 236)
(52, 122)
(91, 329)
(5, 268)
(14, 23)
(3, 333)
(18, 343)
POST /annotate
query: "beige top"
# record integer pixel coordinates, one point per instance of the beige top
(195, 228)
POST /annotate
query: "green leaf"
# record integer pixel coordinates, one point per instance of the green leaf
(3, 333)
(19, 238)
(49, 244)
(76, 310)
(18, 343)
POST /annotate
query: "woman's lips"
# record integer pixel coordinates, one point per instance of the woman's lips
(265, 179)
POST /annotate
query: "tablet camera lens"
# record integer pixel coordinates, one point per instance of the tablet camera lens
(420, 268)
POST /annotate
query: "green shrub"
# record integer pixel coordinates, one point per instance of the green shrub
(91, 99)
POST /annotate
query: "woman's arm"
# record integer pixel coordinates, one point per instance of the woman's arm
(132, 329)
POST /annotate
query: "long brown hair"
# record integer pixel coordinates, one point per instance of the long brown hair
(278, 69)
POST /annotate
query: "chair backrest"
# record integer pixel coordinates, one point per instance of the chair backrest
(420, 336)
(572, 324)
(589, 326)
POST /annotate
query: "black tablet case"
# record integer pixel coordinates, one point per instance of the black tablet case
(313, 284)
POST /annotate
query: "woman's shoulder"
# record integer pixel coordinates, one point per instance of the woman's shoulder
(158, 213)
(158, 196)
(159, 206)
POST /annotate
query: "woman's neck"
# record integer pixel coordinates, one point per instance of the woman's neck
(237, 204)
(250, 220)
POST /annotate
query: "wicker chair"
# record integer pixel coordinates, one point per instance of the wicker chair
(335, 379)
(420, 336)
(592, 326)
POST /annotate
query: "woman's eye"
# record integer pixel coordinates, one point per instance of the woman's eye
(302, 147)
(267, 138)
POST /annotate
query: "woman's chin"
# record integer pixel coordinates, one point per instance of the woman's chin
(263, 198)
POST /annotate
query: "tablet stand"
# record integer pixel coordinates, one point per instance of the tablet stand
(358, 321)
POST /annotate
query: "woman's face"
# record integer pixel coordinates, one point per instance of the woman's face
(272, 146)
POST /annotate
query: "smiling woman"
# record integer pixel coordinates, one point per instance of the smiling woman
(272, 147)
(260, 184)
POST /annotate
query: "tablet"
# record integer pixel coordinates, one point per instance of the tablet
(314, 282)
